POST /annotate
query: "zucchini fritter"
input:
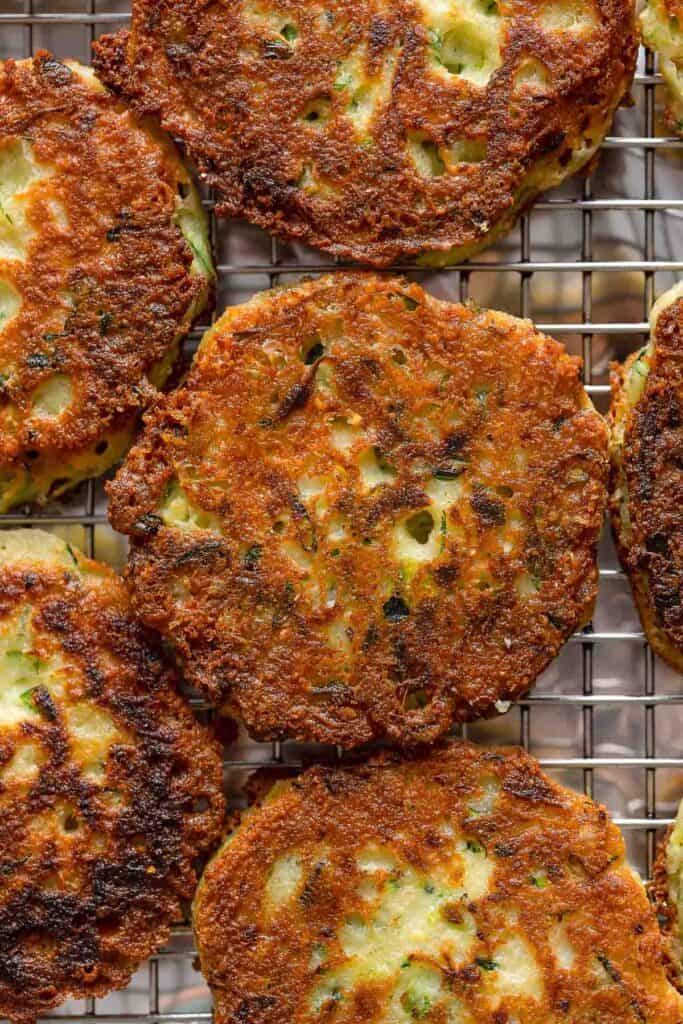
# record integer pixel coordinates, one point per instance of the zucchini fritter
(366, 512)
(662, 25)
(666, 889)
(104, 265)
(464, 887)
(646, 503)
(378, 130)
(109, 789)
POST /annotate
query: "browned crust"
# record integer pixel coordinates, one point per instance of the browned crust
(651, 462)
(258, 966)
(667, 913)
(214, 82)
(80, 912)
(243, 624)
(122, 260)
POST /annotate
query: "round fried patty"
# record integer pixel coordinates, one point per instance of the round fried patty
(109, 789)
(662, 27)
(666, 890)
(104, 264)
(367, 512)
(646, 421)
(379, 130)
(465, 887)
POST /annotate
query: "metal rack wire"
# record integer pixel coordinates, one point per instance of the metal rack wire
(585, 265)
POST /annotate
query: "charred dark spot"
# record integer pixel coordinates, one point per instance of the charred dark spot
(250, 934)
(490, 511)
(446, 575)
(549, 142)
(315, 352)
(372, 367)
(44, 703)
(308, 893)
(296, 398)
(647, 456)
(658, 544)
(56, 616)
(147, 525)
(305, 527)
(504, 850)
(666, 594)
(371, 637)
(452, 912)
(105, 321)
(469, 975)
(610, 969)
(379, 35)
(57, 73)
(530, 787)
(251, 1006)
(38, 361)
(180, 55)
(395, 609)
(8, 867)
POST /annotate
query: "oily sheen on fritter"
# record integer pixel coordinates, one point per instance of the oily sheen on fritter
(465, 886)
(109, 788)
(379, 130)
(104, 265)
(366, 512)
(646, 421)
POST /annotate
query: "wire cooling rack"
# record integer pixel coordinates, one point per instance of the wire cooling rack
(584, 265)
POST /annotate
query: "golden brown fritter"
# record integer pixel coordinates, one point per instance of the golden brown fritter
(378, 130)
(646, 502)
(367, 512)
(104, 264)
(667, 895)
(109, 789)
(662, 27)
(462, 887)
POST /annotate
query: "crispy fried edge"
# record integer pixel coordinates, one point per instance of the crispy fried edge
(537, 786)
(124, 516)
(18, 489)
(110, 59)
(618, 421)
(667, 913)
(120, 975)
